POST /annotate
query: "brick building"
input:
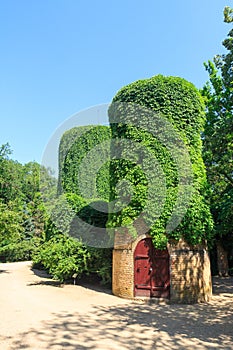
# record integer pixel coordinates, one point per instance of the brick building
(180, 273)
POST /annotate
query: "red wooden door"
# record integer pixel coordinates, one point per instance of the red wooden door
(151, 270)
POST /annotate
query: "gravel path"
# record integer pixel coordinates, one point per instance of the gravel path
(37, 313)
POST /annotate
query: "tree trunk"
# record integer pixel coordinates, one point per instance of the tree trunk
(222, 260)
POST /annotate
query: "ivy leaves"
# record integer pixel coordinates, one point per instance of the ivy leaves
(179, 102)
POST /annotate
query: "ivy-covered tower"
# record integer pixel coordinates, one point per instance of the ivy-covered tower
(84, 182)
(160, 120)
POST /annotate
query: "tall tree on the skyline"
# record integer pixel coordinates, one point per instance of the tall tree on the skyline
(218, 143)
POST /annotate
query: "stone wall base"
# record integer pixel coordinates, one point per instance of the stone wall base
(190, 275)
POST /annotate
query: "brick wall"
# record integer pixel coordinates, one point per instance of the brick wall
(189, 270)
(123, 264)
(123, 273)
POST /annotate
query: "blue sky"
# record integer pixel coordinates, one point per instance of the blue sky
(62, 56)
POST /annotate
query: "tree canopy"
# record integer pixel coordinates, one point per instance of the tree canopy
(218, 136)
(22, 219)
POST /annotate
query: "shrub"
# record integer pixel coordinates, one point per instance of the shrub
(19, 250)
(62, 256)
(100, 263)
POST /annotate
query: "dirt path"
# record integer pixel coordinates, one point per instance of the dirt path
(38, 314)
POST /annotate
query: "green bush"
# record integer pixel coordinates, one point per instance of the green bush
(62, 256)
(148, 103)
(100, 263)
(79, 218)
(19, 251)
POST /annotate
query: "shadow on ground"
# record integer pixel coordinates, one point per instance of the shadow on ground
(93, 282)
(41, 273)
(139, 326)
(222, 285)
(46, 279)
(90, 282)
(46, 283)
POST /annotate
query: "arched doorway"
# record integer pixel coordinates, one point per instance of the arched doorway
(151, 271)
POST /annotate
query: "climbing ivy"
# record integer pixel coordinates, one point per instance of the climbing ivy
(74, 148)
(82, 206)
(178, 102)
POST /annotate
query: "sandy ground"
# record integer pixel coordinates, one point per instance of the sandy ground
(37, 313)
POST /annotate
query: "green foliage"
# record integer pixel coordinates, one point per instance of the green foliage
(180, 103)
(84, 182)
(31, 180)
(100, 263)
(74, 147)
(23, 215)
(63, 256)
(5, 151)
(20, 231)
(228, 14)
(11, 177)
(218, 137)
(35, 216)
(20, 250)
(71, 214)
(36, 223)
(61, 215)
(10, 224)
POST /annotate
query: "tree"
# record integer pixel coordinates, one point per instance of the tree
(23, 216)
(11, 176)
(10, 224)
(5, 151)
(218, 143)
